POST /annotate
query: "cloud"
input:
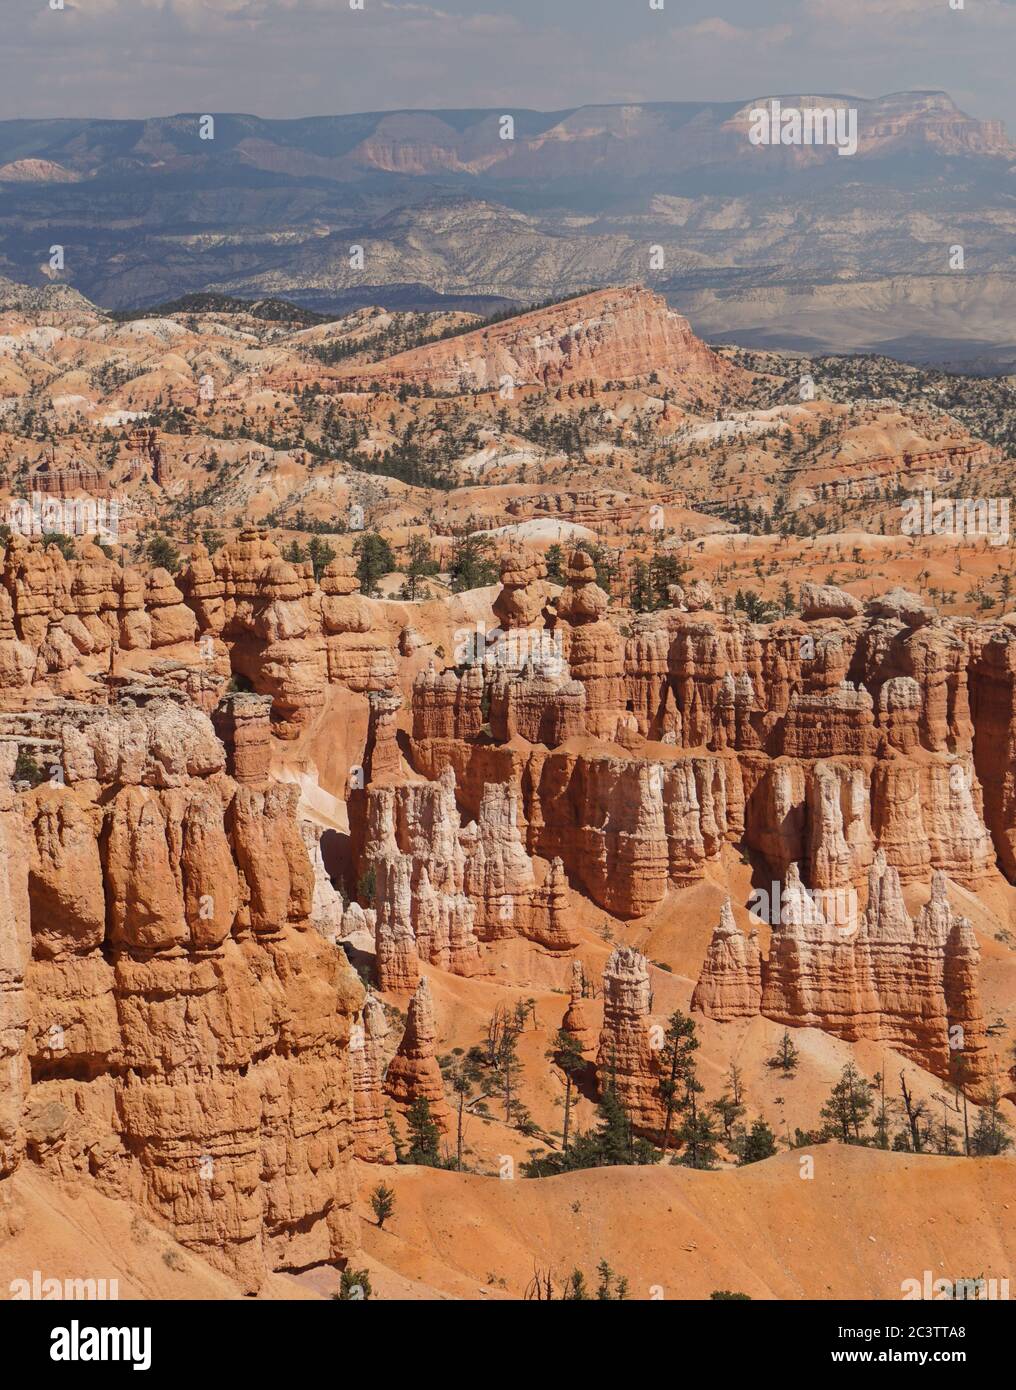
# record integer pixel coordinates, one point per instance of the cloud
(299, 57)
(723, 32)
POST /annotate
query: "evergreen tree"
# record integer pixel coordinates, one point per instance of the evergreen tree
(758, 1143)
(419, 565)
(677, 1068)
(567, 1055)
(698, 1135)
(849, 1105)
(641, 592)
(382, 1200)
(575, 1290)
(354, 1286)
(607, 1291)
(555, 563)
(786, 1056)
(320, 554)
(665, 570)
(465, 1075)
(424, 1136)
(992, 1135)
(728, 1112)
(472, 566)
(162, 553)
(612, 1143)
(374, 559)
(883, 1113)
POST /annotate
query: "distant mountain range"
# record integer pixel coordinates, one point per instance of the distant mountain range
(779, 246)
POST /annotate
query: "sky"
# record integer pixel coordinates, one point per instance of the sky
(134, 58)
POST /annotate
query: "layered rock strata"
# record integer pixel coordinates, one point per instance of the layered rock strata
(413, 1073)
(372, 1138)
(189, 1030)
(730, 985)
(626, 1061)
(881, 976)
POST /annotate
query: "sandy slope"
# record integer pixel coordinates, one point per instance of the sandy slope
(76, 1233)
(866, 1221)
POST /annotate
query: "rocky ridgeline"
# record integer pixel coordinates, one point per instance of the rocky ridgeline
(246, 611)
(618, 334)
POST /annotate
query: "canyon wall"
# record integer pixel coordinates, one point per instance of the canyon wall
(187, 1038)
(568, 758)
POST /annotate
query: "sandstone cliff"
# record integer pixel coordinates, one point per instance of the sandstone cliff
(188, 1029)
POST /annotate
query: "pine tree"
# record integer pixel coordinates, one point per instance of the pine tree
(465, 1075)
(567, 1055)
(354, 1286)
(758, 1143)
(728, 1111)
(699, 1137)
(575, 1290)
(424, 1135)
(786, 1056)
(374, 559)
(607, 1291)
(641, 592)
(677, 1067)
(848, 1107)
(991, 1135)
(382, 1200)
(420, 564)
(321, 555)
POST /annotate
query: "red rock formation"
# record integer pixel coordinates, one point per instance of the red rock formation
(171, 620)
(413, 1073)
(578, 1019)
(609, 335)
(442, 888)
(372, 1139)
(243, 724)
(911, 985)
(189, 1031)
(625, 1059)
(730, 984)
(524, 591)
(993, 711)
(289, 638)
(382, 760)
(592, 646)
(825, 601)
(396, 958)
(357, 656)
(327, 908)
(414, 842)
(625, 827)
(550, 923)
